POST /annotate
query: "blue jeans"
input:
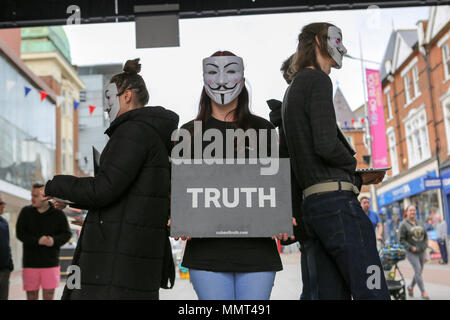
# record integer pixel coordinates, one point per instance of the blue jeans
(232, 285)
(343, 248)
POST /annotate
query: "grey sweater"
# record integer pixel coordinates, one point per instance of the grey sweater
(442, 230)
(413, 236)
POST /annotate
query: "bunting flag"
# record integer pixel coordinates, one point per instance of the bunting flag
(27, 91)
(362, 120)
(346, 127)
(10, 84)
(353, 122)
(43, 95)
(91, 109)
(75, 104)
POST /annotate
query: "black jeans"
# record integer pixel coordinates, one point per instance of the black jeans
(4, 283)
(343, 250)
(443, 249)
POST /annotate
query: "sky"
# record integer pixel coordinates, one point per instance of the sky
(174, 75)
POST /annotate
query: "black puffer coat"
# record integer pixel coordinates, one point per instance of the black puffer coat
(124, 250)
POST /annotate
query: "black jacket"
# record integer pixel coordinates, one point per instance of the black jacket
(124, 250)
(6, 262)
(32, 225)
(319, 152)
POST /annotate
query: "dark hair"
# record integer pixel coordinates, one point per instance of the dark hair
(129, 79)
(306, 49)
(241, 113)
(364, 198)
(285, 67)
(37, 185)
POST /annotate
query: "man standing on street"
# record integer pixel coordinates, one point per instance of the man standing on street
(43, 229)
(6, 264)
(374, 218)
(441, 228)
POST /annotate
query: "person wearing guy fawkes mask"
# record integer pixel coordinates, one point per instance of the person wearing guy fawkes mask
(124, 250)
(230, 268)
(324, 166)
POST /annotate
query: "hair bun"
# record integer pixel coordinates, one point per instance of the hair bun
(132, 66)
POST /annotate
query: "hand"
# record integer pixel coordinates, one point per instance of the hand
(46, 241)
(78, 221)
(283, 237)
(183, 237)
(50, 241)
(379, 238)
(168, 223)
(43, 241)
(59, 205)
(372, 177)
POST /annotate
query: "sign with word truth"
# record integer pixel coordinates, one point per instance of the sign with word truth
(230, 200)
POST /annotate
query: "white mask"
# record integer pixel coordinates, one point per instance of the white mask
(335, 47)
(223, 78)
(111, 103)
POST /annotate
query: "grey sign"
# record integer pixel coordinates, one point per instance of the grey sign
(230, 200)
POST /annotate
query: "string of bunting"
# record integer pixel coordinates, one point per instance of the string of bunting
(10, 84)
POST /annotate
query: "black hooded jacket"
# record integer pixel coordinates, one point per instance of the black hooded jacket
(124, 249)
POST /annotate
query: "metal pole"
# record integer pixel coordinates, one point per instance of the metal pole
(368, 136)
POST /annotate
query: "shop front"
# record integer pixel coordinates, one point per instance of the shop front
(423, 192)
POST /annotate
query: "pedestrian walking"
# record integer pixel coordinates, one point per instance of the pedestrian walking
(442, 238)
(413, 236)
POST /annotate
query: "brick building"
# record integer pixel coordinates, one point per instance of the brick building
(415, 75)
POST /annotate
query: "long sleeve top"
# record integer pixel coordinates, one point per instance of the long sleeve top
(31, 226)
(319, 151)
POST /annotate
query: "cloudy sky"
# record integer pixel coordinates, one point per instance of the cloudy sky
(174, 75)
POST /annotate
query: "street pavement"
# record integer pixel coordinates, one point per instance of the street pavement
(287, 282)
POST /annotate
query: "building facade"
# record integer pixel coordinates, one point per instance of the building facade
(93, 124)
(27, 133)
(46, 51)
(416, 99)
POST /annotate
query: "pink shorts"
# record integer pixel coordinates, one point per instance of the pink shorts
(34, 278)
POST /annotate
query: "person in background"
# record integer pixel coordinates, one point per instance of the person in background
(374, 218)
(413, 236)
(6, 263)
(441, 228)
(43, 229)
(429, 224)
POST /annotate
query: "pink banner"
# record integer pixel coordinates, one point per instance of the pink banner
(376, 118)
